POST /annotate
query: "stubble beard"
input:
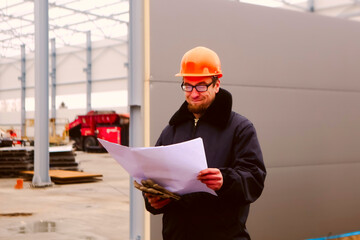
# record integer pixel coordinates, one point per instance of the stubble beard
(197, 109)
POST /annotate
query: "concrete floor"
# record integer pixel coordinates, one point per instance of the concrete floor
(91, 211)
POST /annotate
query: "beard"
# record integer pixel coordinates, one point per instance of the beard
(197, 109)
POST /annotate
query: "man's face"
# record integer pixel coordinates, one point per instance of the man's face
(198, 102)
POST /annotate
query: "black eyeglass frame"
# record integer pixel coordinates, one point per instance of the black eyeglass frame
(183, 86)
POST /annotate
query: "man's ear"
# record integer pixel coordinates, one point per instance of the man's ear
(217, 86)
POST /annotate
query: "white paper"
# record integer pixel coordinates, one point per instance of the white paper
(174, 167)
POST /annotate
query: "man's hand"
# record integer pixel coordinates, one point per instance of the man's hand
(156, 201)
(212, 177)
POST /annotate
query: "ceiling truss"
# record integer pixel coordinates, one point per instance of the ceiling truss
(69, 22)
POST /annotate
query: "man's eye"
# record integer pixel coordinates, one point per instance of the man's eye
(200, 87)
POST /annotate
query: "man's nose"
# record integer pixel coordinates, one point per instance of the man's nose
(194, 93)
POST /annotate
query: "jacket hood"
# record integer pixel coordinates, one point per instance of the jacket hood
(217, 114)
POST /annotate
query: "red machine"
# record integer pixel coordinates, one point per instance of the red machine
(107, 125)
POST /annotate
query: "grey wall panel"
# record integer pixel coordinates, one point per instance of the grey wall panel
(295, 76)
(307, 202)
(295, 127)
(165, 99)
(257, 45)
(302, 127)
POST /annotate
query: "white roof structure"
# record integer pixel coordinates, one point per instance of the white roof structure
(69, 21)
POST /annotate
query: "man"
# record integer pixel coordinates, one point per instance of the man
(236, 169)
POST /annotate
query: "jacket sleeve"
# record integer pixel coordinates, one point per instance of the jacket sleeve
(244, 178)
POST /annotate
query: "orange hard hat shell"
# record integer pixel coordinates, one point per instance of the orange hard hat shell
(200, 62)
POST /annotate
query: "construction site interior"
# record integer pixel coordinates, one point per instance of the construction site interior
(291, 67)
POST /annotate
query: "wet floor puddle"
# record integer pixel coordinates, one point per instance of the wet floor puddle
(38, 227)
(46, 226)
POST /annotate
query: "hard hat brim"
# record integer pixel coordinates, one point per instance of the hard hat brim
(198, 75)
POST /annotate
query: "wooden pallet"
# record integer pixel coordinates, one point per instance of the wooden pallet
(66, 177)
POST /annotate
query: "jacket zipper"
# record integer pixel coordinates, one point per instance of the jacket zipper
(195, 126)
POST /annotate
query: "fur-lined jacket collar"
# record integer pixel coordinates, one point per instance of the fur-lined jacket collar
(217, 114)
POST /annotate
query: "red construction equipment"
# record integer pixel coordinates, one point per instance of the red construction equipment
(107, 125)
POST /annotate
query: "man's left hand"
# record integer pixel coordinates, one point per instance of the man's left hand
(212, 177)
(156, 201)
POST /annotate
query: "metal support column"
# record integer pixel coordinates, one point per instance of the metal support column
(41, 156)
(88, 71)
(53, 78)
(311, 5)
(22, 78)
(136, 92)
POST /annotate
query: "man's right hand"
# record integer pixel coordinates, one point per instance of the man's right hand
(156, 201)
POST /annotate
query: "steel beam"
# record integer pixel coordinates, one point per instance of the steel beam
(114, 79)
(22, 78)
(88, 71)
(13, 32)
(311, 5)
(53, 78)
(136, 93)
(41, 155)
(87, 13)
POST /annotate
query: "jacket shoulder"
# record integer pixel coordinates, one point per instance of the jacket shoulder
(239, 120)
(165, 136)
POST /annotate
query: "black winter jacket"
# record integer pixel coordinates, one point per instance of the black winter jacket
(231, 145)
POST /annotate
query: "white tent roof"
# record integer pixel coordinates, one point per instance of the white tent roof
(69, 20)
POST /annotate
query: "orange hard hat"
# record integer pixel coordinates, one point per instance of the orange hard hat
(200, 62)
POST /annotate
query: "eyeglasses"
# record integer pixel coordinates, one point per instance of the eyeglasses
(199, 88)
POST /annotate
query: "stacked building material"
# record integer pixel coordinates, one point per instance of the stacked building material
(13, 160)
(62, 158)
(69, 177)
